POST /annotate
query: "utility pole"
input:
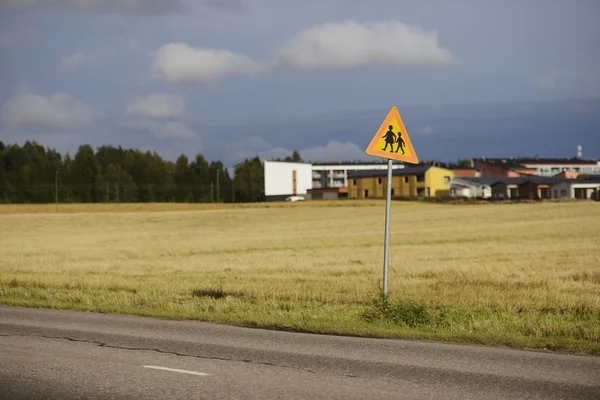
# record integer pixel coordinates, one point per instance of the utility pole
(232, 192)
(56, 189)
(211, 192)
(217, 185)
(117, 184)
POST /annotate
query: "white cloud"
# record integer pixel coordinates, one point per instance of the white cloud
(113, 6)
(551, 79)
(73, 61)
(350, 44)
(178, 62)
(426, 130)
(58, 110)
(329, 46)
(161, 130)
(334, 151)
(177, 130)
(157, 105)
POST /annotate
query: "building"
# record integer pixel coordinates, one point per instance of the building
(504, 188)
(284, 179)
(496, 167)
(576, 189)
(535, 188)
(471, 187)
(327, 194)
(515, 167)
(335, 175)
(421, 181)
(465, 172)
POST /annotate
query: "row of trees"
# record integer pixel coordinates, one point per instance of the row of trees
(31, 174)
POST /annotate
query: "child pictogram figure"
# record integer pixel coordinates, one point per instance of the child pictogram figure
(401, 143)
(390, 138)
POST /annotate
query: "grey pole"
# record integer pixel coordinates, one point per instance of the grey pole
(388, 204)
(56, 189)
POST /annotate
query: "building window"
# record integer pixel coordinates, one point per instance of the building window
(563, 193)
(354, 182)
(446, 180)
(379, 180)
(420, 192)
(556, 194)
(366, 193)
(545, 193)
(406, 179)
(420, 178)
(392, 191)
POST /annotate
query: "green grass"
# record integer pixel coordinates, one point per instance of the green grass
(520, 275)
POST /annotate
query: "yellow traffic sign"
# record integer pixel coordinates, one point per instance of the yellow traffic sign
(391, 140)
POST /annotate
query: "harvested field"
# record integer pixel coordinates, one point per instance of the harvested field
(522, 275)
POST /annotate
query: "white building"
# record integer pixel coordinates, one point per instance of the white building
(576, 189)
(284, 179)
(335, 175)
(554, 167)
(471, 187)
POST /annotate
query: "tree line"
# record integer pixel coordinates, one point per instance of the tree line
(32, 173)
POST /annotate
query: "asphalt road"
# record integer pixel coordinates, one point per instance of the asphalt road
(48, 354)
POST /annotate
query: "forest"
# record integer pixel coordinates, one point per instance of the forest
(32, 173)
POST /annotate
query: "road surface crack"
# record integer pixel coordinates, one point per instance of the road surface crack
(102, 344)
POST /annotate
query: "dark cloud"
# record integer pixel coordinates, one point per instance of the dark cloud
(445, 133)
(144, 7)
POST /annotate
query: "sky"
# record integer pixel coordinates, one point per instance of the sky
(232, 79)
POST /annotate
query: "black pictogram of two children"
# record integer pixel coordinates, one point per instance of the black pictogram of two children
(390, 138)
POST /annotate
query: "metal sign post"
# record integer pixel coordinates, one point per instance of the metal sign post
(388, 208)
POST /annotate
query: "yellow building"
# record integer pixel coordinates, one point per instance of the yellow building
(425, 181)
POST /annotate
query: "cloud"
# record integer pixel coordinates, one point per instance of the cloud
(257, 146)
(81, 58)
(426, 130)
(350, 44)
(334, 151)
(329, 46)
(157, 105)
(58, 110)
(148, 7)
(551, 79)
(73, 61)
(179, 62)
(160, 130)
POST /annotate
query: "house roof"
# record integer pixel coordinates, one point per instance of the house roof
(505, 180)
(520, 163)
(543, 161)
(384, 172)
(478, 180)
(595, 181)
(352, 162)
(538, 180)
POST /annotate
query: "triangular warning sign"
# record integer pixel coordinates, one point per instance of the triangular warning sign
(391, 140)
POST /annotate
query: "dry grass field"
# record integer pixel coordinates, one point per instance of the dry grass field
(522, 275)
